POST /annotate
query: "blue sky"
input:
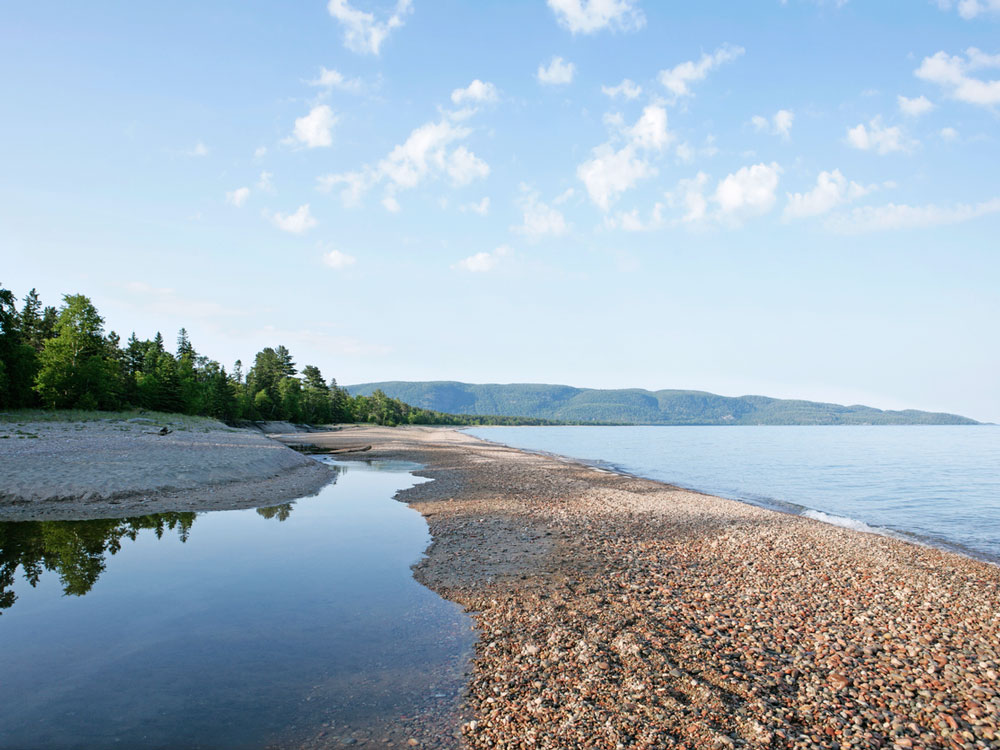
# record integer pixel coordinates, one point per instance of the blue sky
(797, 199)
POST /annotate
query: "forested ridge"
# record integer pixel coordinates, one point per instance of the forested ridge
(62, 358)
(637, 406)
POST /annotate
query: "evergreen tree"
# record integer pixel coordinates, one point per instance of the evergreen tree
(18, 360)
(75, 369)
(31, 321)
(184, 348)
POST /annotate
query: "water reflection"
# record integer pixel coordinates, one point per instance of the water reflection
(78, 550)
(233, 632)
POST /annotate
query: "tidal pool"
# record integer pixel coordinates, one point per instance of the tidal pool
(291, 626)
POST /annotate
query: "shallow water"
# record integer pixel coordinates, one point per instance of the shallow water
(229, 629)
(936, 484)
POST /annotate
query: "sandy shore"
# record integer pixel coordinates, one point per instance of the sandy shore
(618, 612)
(118, 468)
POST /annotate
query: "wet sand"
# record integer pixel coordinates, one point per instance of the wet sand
(620, 612)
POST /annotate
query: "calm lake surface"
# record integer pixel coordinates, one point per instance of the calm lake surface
(939, 485)
(229, 629)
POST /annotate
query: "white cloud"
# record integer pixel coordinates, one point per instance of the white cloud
(296, 223)
(557, 73)
(483, 262)
(779, 124)
(238, 196)
(876, 137)
(482, 207)
(952, 74)
(901, 216)
(260, 152)
(610, 171)
(362, 32)
(749, 191)
(540, 219)
(478, 92)
(315, 129)
(631, 221)
(564, 196)
(427, 153)
(338, 260)
(690, 195)
(355, 185)
(333, 79)
(650, 131)
(949, 134)
(921, 105)
(588, 16)
(969, 9)
(390, 204)
(264, 182)
(628, 89)
(200, 149)
(677, 79)
(832, 189)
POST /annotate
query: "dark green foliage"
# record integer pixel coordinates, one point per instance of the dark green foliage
(18, 358)
(74, 549)
(634, 406)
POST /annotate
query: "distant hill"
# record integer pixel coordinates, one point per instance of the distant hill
(636, 406)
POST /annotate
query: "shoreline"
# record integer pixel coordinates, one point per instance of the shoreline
(778, 506)
(118, 468)
(617, 611)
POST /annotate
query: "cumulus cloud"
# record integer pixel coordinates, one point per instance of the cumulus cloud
(632, 221)
(949, 134)
(260, 152)
(558, 72)
(296, 223)
(315, 130)
(901, 216)
(628, 89)
(238, 196)
(333, 79)
(969, 9)
(477, 92)
(952, 73)
(690, 195)
(264, 182)
(338, 261)
(877, 137)
(611, 171)
(677, 80)
(483, 262)
(832, 189)
(750, 191)
(921, 105)
(363, 32)
(428, 152)
(589, 16)
(200, 149)
(779, 124)
(540, 219)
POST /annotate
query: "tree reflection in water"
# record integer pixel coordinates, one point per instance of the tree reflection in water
(77, 550)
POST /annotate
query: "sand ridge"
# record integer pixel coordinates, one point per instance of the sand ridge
(117, 468)
(618, 612)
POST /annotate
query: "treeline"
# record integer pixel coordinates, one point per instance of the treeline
(63, 359)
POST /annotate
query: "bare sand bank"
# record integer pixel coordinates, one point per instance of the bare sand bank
(620, 612)
(118, 468)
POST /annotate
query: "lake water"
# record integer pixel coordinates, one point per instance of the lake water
(231, 629)
(935, 484)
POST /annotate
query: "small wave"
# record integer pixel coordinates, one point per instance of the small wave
(844, 522)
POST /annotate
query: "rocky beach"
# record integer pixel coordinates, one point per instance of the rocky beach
(618, 612)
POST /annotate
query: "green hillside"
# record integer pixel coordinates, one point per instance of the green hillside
(636, 406)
